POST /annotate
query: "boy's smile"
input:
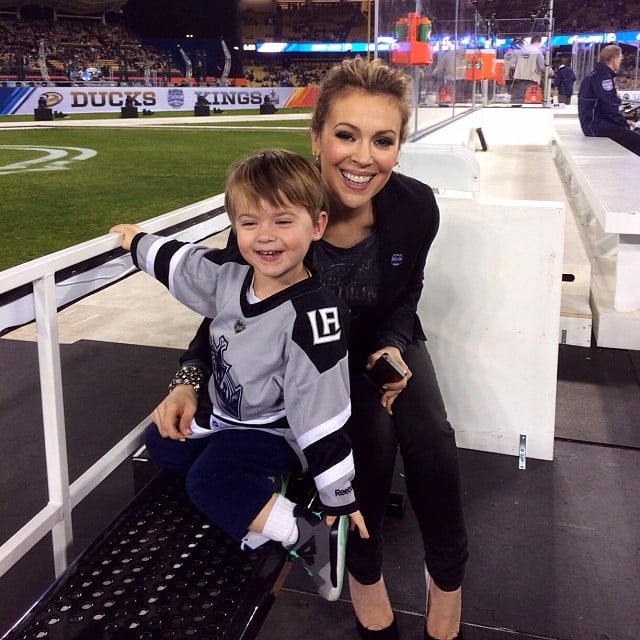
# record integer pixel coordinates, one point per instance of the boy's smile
(274, 240)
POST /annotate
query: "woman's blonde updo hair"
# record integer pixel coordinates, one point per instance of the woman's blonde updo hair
(372, 76)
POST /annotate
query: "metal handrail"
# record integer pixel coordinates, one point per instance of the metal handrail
(46, 300)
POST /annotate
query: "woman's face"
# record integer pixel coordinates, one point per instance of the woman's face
(358, 146)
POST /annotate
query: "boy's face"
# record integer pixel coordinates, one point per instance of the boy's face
(274, 241)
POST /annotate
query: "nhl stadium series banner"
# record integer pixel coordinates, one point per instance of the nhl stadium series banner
(87, 99)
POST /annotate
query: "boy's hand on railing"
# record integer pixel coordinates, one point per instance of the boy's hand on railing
(128, 231)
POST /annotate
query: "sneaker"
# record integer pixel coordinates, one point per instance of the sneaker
(322, 550)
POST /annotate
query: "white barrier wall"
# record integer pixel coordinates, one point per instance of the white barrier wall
(501, 125)
(491, 308)
(526, 125)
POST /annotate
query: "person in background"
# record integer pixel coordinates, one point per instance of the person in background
(279, 386)
(529, 69)
(564, 81)
(599, 104)
(510, 59)
(373, 255)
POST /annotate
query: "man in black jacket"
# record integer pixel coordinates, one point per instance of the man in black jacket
(599, 104)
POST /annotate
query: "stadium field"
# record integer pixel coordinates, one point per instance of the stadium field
(64, 185)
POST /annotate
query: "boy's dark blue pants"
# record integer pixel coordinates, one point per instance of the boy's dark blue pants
(227, 474)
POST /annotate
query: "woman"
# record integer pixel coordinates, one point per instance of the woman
(373, 253)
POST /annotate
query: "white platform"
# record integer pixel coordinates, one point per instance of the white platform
(491, 308)
(607, 205)
(519, 165)
(444, 167)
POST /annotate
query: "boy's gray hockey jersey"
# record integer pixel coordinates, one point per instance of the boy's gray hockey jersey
(279, 365)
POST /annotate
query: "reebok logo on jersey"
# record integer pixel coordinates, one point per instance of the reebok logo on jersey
(343, 492)
(325, 325)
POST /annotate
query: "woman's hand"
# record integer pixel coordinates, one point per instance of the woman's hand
(391, 389)
(174, 414)
(356, 521)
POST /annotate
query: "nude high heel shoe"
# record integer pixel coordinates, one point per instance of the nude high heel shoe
(427, 636)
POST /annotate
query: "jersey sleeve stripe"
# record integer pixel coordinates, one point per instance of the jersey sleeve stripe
(150, 259)
(339, 471)
(176, 258)
(322, 430)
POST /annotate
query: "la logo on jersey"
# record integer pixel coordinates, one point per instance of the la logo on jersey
(325, 325)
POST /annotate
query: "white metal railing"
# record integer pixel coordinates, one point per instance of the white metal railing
(43, 306)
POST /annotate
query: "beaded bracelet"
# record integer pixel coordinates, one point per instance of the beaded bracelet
(189, 374)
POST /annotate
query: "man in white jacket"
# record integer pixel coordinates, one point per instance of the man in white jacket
(529, 69)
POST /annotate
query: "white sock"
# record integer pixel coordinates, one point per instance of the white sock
(281, 523)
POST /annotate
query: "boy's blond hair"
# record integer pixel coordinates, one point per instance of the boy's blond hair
(275, 176)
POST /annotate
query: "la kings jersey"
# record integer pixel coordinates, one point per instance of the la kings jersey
(279, 364)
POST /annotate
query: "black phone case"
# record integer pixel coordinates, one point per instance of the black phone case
(383, 371)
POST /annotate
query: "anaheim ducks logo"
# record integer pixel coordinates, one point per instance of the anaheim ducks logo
(53, 98)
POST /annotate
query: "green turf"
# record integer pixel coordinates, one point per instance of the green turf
(136, 174)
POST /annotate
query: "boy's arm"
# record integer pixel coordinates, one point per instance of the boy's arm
(317, 398)
(189, 271)
(198, 352)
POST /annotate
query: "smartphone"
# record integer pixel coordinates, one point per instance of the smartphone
(383, 371)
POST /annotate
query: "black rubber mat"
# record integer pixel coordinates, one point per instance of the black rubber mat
(552, 555)
(635, 361)
(598, 396)
(108, 389)
(161, 571)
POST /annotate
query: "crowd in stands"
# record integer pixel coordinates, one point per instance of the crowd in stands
(304, 22)
(515, 16)
(296, 73)
(627, 76)
(77, 50)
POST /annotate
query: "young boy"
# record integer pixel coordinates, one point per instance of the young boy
(280, 384)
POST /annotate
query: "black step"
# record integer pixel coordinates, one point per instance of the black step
(162, 570)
